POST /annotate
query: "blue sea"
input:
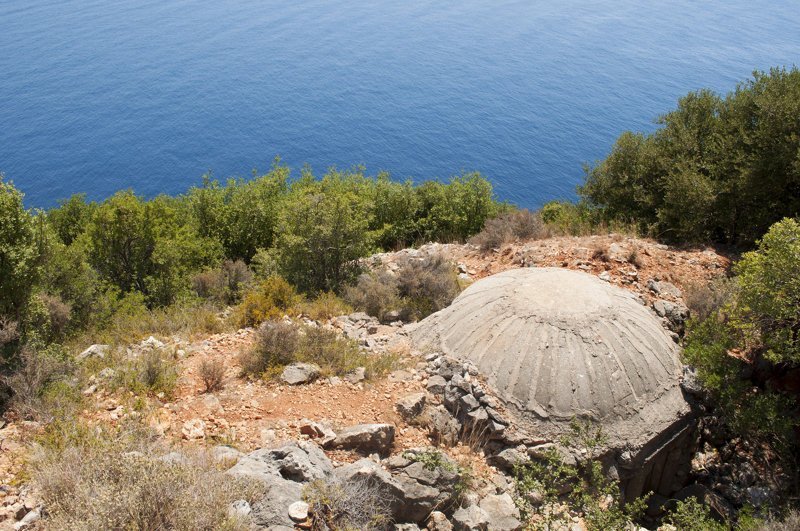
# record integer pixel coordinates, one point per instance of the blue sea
(100, 95)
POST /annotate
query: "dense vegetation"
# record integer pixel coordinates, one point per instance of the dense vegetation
(719, 169)
(87, 265)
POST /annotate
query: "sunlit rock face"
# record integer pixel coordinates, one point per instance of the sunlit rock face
(555, 345)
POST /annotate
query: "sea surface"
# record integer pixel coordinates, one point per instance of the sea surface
(100, 95)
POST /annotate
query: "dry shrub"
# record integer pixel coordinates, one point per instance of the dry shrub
(272, 299)
(275, 345)
(278, 344)
(428, 285)
(213, 373)
(789, 522)
(9, 331)
(704, 298)
(600, 252)
(508, 227)
(326, 306)
(152, 373)
(224, 284)
(635, 258)
(375, 293)
(358, 503)
(40, 386)
(58, 312)
(112, 481)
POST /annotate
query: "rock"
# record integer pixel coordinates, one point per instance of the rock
(315, 430)
(366, 438)
(470, 518)
(301, 462)
(94, 351)
(369, 472)
(503, 513)
(436, 384)
(411, 405)
(391, 316)
(90, 390)
(664, 288)
(437, 521)
(605, 276)
(106, 374)
(298, 511)
(225, 454)
(194, 429)
(29, 519)
(240, 509)
(444, 426)
(508, 459)
(406, 527)
(300, 373)
(174, 458)
(151, 343)
(468, 403)
(358, 374)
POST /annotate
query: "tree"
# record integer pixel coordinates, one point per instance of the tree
(19, 254)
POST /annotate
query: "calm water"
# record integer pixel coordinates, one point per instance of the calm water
(101, 95)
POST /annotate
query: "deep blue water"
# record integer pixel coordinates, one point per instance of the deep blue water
(99, 95)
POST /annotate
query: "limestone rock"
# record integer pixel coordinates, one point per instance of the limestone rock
(411, 405)
(194, 429)
(437, 521)
(94, 351)
(503, 513)
(298, 511)
(300, 373)
(358, 374)
(366, 438)
(471, 518)
(436, 384)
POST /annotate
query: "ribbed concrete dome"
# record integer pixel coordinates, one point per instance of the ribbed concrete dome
(557, 344)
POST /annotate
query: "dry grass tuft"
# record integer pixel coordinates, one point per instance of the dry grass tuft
(213, 373)
(353, 504)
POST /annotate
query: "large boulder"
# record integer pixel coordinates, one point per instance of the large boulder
(300, 373)
(365, 438)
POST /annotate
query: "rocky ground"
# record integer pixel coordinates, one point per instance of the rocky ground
(350, 427)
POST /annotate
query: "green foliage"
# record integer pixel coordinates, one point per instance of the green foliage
(71, 218)
(718, 168)
(769, 298)
(325, 306)
(691, 515)
(322, 233)
(19, 268)
(271, 299)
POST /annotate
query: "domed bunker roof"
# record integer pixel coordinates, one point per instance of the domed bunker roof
(556, 344)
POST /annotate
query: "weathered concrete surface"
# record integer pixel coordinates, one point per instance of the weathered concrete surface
(555, 344)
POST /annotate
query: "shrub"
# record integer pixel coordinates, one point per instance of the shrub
(278, 344)
(40, 385)
(271, 299)
(358, 503)
(275, 345)
(510, 226)
(153, 372)
(691, 515)
(706, 298)
(9, 331)
(114, 481)
(225, 284)
(212, 373)
(18, 252)
(375, 293)
(428, 285)
(326, 306)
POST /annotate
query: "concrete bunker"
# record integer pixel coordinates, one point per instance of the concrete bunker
(554, 345)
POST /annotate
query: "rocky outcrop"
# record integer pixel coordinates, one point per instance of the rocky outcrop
(300, 373)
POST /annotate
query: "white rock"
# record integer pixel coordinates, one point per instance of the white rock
(298, 511)
(194, 429)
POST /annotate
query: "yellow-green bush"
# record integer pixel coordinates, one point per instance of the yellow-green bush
(325, 306)
(271, 299)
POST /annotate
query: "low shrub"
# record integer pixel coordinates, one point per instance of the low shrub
(278, 344)
(326, 306)
(691, 515)
(428, 285)
(224, 284)
(271, 299)
(9, 331)
(275, 345)
(153, 372)
(375, 293)
(213, 373)
(41, 386)
(353, 504)
(705, 298)
(508, 227)
(114, 481)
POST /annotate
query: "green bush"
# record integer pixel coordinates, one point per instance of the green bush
(271, 299)
(41, 387)
(719, 168)
(275, 346)
(19, 265)
(376, 293)
(325, 306)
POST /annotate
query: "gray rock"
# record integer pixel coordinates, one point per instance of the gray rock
(151, 343)
(503, 513)
(406, 527)
(411, 405)
(301, 462)
(94, 351)
(437, 521)
(174, 458)
(444, 426)
(436, 384)
(365, 438)
(29, 519)
(226, 454)
(369, 471)
(471, 518)
(508, 459)
(358, 374)
(240, 509)
(468, 403)
(300, 373)
(664, 288)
